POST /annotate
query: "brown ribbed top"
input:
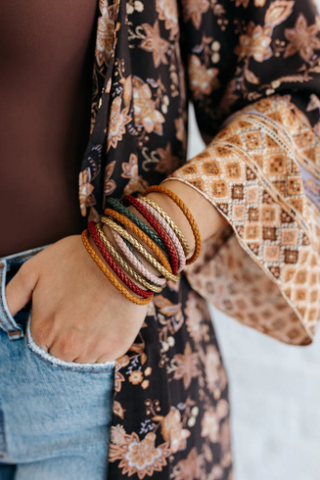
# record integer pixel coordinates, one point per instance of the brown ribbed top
(46, 50)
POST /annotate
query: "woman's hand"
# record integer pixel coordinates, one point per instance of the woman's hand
(77, 314)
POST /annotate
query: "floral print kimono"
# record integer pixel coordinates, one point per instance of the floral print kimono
(251, 69)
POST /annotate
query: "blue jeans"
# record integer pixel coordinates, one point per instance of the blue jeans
(55, 416)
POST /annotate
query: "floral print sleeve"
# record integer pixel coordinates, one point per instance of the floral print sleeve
(261, 170)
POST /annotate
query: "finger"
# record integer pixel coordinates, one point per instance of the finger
(19, 289)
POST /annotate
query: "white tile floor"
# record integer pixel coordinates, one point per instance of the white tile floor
(275, 396)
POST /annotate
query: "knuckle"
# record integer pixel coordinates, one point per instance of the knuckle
(41, 332)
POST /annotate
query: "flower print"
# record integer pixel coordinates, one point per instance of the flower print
(171, 310)
(187, 366)
(173, 431)
(194, 9)
(148, 371)
(118, 410)
(190, 468)
(139, 457)
(278, 12)
(109, 185)
(168, 11)
(222, 408)
(155, 44)
(117, 122)
(136, 377)
(193, 318)
(302, 39)
(210, 426)
(181, 133)
(145, 384)
(105, 31)
(145, 113)
(130, 170)
(215, 373)
(118, 380)
(168, 163)
(255, 43)
(202, 80)
(225, 435)
(117, 434)
(86, 198)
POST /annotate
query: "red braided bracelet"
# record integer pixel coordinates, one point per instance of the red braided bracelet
(115, 267)
(160, 231)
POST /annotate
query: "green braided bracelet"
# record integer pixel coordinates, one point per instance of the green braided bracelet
(120, 208)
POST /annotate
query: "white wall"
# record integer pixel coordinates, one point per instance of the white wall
(275, 396)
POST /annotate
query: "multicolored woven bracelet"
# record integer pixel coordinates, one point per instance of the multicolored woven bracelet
(108, 273)
(155, 224)
(183, 207)
(115, 267)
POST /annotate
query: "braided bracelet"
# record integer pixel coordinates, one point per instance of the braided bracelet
(154, 223)
(142, 236)
(166, 227)
(118, 258)
(184, 242)
(135, 263)
(183, 207)
(115, 267)
(140, 248)
(107, 272)
(117, 205)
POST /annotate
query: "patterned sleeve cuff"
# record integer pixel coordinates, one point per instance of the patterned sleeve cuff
(261, 173)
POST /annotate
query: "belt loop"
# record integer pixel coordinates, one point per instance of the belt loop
(7, 322)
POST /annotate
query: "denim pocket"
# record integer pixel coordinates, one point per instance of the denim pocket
(58, 363)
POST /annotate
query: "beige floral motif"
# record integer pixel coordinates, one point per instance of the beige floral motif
(202, 80)
(181, 133)
(105, 31)
(193, 319)
(139, 457)
(302, 39)
(173, 431)
(190, 468)
(136, 377)
(168, 163)
(215, 374)
(194, 9)
(109, 184)
(187, 366)
(278, 12)
(168, 11)
(131, 171)
(145, 113)
(210, 426)
(117, 122)
(155, 44)
(255, 43)
(85, 191)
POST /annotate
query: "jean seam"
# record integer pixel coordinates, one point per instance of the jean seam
(56, 365)
(2, 303)
(3, 438)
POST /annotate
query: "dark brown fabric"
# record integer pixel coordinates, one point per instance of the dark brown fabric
(46, 58)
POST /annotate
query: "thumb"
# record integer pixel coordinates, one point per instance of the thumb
(19, 289)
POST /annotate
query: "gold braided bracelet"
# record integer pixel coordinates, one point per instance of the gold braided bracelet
(184, 242)
(121, 261)
(121, 231)
(111, 277)
(183, 207)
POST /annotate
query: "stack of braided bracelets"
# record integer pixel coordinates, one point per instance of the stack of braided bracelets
(159, 233)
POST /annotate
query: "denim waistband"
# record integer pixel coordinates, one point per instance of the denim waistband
(8, 267)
